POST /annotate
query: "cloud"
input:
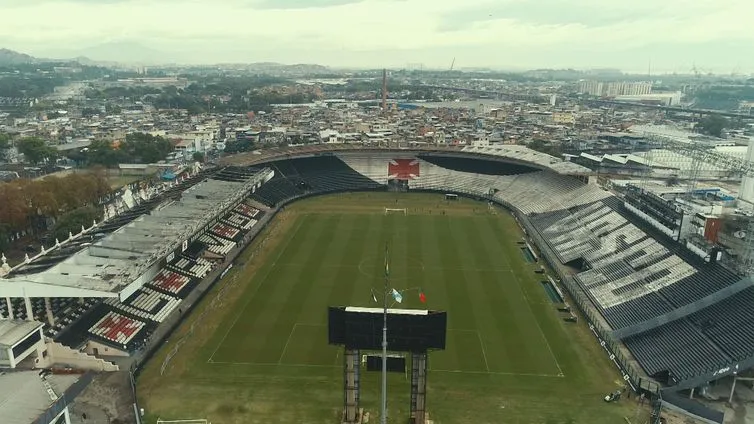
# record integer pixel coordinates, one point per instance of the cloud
(587, 13)
(301, 4)
(541, 12)
(495, 33)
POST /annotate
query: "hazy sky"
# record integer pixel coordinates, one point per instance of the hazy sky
(715, 35)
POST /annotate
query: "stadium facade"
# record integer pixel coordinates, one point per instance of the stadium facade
(681, 316)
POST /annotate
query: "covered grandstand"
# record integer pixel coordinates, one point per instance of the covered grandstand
(114, 290)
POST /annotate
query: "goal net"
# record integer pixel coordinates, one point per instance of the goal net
(395, 211)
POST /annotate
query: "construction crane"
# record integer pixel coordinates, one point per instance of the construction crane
(452, 64)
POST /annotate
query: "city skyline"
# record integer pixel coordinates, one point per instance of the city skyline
(504, 34)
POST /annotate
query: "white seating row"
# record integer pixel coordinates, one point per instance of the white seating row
(217, 245)
(117, 328)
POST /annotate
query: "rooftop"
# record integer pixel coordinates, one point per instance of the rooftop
(24, 396)
(13, 331)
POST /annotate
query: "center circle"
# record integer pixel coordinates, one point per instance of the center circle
(374, 267)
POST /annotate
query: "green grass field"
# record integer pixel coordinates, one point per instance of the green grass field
(262, 355)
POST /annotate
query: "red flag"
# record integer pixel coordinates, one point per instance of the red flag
(422, 297)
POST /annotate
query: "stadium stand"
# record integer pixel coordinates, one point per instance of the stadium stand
(674, 312)
(118, 330)
(125, 324)
(314, 175)
(633, 275)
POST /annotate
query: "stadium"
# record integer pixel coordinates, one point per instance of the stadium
(212, 292)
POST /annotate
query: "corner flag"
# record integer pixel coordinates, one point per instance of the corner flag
(422, 296)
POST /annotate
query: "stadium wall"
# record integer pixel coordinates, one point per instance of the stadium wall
(64, 355)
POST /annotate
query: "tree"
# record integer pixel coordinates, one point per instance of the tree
(36, 150)
(5, 145)
(101, 152)
(4, 237)
(31, 203)
(198, 157)
(146, 148)
(712, 125)
(72, 221)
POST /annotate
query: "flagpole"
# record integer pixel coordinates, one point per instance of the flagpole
(383, 412)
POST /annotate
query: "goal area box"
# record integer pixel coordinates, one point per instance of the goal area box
(408, 330)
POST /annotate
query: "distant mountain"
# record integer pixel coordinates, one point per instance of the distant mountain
(113, 53)
(10, 57)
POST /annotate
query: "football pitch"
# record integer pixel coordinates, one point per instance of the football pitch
(260, 354)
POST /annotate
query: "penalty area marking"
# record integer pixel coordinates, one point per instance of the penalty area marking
(262, 281)
(481, 343)
(269, 364)
(290, 335)
(484, 351)
(275, 364)
(512, 374)
(534, 318)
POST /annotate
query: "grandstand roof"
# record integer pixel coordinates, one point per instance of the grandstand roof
(24, 397)
(107, 267)
(514, 153)
(525, 154)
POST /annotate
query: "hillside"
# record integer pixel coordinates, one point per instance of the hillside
(10, 57)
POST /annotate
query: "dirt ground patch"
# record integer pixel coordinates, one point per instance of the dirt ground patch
(107, 400)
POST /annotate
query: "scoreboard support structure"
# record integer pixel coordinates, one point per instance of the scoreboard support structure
(418, 387)
(351, 385)
(413, 331)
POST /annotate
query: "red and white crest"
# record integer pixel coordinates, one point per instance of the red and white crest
(403, 169)
(118, 328)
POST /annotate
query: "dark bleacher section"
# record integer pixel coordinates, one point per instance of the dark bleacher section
(299, 177)
(677, 350)
(477, 166)
(64, 310)
(729, 324)
(654, 206)
(235, 173)
(278, 190)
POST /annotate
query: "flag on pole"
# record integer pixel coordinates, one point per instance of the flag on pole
(374, 297)
(397, 296)
(422, 296)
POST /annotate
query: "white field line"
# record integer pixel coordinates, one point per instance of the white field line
(251, 297)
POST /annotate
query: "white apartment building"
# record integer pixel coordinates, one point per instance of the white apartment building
(612, 89)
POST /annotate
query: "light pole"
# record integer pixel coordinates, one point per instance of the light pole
(383, 412)
(398, 297)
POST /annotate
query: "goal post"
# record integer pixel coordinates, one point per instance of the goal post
(389, 211)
